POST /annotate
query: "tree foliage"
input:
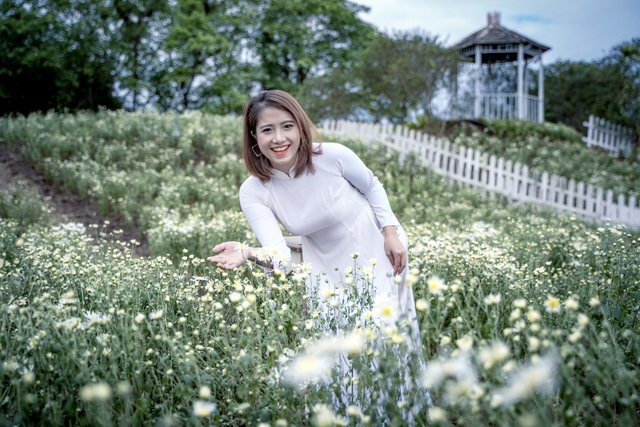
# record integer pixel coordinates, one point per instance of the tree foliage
(574, 90)
(168, 54)
(396, 77)
(177, 55)
(138, 29)
(625, 58)
(608, 88)
(54, 55)
(297, 39)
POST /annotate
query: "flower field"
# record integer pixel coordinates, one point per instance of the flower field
(526, 317)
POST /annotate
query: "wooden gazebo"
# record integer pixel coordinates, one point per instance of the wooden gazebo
(496, 44)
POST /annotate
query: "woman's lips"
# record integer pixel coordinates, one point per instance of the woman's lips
(281, 151)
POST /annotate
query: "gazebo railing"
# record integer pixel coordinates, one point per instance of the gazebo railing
(498, 106)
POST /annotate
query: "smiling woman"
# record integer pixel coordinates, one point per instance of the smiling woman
(323, 193)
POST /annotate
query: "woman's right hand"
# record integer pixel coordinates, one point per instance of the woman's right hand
(230, 255)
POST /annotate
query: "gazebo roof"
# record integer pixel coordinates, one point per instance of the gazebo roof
(498, 43)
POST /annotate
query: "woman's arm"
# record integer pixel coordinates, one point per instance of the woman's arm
(273, 253)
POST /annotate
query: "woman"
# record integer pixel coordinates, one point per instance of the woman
(322, 192)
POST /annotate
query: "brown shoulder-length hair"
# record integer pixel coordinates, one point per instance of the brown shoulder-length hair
(259, 166)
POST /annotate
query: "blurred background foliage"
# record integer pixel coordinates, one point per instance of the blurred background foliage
(209, 55)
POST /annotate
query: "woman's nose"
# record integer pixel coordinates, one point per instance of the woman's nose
(278, 136)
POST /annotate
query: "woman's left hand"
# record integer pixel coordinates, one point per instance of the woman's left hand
(395, 250)
(229, 255)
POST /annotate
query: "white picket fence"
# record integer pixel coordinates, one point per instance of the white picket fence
(512, 180)
(611, 137)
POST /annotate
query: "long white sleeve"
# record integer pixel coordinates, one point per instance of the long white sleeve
(361, 177)
(262, 220)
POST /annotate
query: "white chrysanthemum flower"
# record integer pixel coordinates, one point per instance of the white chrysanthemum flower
(353, 343)
(436, 285)
(156, 314)
(70, 324)
(28, 377)
(139, 318)
(583, 319)
(354, 411)
(68, 300)
(422, 304)
(308, 368)
(533, 315)
(261, 255)
(459, 367)
(493, 299)
(527, 380)
(494, 354)
(235, 297)
(552, 305)
(323, 416)
(533, 344)
(92, 318)
(575, 336)
(204, 392)
(520, 303)
(202, 408)
(571, 304)
(385, 308)
(103, 339)
(437, 414)
(95, 392)
(465, 343)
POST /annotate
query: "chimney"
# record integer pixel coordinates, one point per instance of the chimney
(493, 19)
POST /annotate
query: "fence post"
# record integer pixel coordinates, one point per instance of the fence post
(544, 187)
(581, 203)
(608, 205)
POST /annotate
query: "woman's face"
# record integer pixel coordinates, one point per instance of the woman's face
(278, 138)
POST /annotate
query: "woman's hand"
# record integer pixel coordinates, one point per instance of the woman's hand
(394, 249)
(230, 256)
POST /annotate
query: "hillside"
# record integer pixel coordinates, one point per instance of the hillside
(34, 200)
(509, 298)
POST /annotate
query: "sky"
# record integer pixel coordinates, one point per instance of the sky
(576, 30)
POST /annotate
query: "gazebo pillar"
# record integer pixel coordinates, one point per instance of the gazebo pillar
(522, 113)
(477, 109)
(540, 90)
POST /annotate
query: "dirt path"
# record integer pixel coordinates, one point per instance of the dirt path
(67, 207)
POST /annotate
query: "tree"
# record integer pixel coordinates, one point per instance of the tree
(298, 39)
(396, 78)
(625, 58)
(55, 55)
(138, 32)
(206, 61)
(574, 90)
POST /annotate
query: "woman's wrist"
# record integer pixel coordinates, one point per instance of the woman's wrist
(390, 229)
